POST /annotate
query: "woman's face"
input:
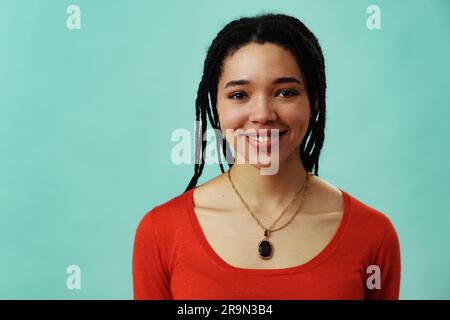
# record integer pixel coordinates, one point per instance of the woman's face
(262, 87)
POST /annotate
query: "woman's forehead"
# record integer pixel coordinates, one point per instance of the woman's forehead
(255, 54)
(260, 62)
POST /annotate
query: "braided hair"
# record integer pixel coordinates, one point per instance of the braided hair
(287, 32)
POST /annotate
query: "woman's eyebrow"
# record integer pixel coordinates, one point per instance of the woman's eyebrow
(233, 83)
(287, 80)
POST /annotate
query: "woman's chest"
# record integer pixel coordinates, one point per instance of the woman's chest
(235, 238)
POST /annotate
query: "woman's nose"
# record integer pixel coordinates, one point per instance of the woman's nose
(262, 112)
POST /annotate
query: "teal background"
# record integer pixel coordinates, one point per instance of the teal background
(86, 117)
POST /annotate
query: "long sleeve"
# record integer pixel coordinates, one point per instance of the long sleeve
(151, 281)
(388, 260)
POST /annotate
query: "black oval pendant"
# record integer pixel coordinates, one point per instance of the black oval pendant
(265, 249)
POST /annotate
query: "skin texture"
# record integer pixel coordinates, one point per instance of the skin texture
(262, 104)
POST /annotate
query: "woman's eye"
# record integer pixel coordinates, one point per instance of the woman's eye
(237, 96)
(287, 93)
(283, 93)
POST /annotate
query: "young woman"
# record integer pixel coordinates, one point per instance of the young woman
(251, 235)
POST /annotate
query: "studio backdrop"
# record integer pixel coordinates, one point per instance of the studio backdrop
(92, 92)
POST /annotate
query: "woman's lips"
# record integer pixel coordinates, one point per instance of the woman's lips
(264, 141)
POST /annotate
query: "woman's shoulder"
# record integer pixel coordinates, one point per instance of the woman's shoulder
(366, 211)
(365, 220)
(167, 214)
(372, 232)
(368, 220)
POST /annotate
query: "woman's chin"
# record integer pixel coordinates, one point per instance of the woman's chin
(267, 164)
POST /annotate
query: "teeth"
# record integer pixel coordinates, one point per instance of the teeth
(260, 138)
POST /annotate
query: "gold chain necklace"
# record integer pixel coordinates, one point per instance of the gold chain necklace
(265, 247)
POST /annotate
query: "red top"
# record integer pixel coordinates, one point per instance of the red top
(173, 260)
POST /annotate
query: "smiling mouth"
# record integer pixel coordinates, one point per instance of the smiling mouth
(266, 138)
(265, 135)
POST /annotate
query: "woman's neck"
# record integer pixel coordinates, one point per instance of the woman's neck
(269, 192)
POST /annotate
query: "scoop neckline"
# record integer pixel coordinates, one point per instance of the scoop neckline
(316, 260)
